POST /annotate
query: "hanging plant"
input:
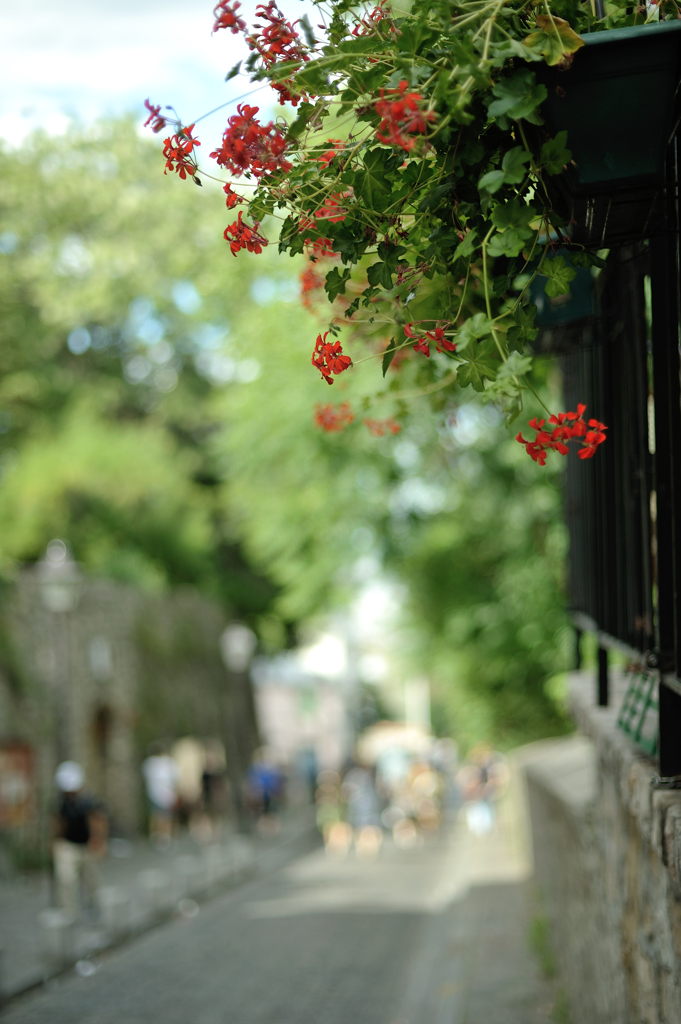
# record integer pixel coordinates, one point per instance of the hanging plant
(414, 170)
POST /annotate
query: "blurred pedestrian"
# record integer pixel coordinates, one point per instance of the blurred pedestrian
(265, 791)
(79, 838)
(161, 776)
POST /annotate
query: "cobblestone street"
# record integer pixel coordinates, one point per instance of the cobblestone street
(434, 935)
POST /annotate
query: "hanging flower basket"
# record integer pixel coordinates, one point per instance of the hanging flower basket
(616, 103)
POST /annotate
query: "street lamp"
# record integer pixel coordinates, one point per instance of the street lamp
(60, 584)
(237, 647)
(59, 578)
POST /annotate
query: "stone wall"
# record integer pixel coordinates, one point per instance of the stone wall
(98, 683)
(607, 849)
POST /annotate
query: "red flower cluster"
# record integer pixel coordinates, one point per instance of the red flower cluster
(320, 248)
(366, 25)
(337, 146)
(329, 358)
(241, 236)
(402, 117)
(567, 426)
(436, 337)
(226, 17)
(381, 427)
(310, 281)
(278, 41)
(178, 152)
(251, 147)
(333, 418)
(157, 122)
(332, 209)
(232, 198)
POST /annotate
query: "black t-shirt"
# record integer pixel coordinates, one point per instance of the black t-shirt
(74, 813)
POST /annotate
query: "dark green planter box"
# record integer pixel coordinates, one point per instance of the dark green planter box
(617, 104)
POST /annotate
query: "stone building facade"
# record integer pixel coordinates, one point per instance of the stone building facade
(607, 850)
(99, 682)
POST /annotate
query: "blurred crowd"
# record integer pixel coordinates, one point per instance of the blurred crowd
(407, 797)
(400, 795)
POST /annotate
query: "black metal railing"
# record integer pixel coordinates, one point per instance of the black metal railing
(623, 507)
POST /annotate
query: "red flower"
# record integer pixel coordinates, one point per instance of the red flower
(328, 358)
(278, 41)
(320, 247)
(401, 117)
(250, 147)
(333, 418)
(567, 425)
(157, 122)
(178, 152)
(337, 147)
(592, 439)
(381, 427)
(437, 336)
(232, 198)
(241, 236)
(226, 17)
(366, 25)
(310, 281)
(441, 342)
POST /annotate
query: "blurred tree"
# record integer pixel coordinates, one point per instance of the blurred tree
(157, 411)
(118, 324)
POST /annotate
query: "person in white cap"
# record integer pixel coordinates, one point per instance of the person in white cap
(80, 833)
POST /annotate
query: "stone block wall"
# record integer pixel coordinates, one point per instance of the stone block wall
(607, 850)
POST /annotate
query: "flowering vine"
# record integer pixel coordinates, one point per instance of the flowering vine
(416, 175)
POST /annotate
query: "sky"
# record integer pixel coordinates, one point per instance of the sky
(86, 59)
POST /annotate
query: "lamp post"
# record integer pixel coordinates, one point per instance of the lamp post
(237, 647)
(60, 584)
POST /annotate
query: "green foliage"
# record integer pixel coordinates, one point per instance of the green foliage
(119, 327)
(485, 582)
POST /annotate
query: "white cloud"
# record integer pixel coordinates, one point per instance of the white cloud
(86, 60)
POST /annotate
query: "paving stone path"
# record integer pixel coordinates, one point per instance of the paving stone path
(436, 935)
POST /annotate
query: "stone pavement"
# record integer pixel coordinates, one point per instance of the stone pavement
(432, 935)
(143, 886)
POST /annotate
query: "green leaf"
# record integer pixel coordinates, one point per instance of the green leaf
(559, 276)
(555, 154)
(481, 363)
(584, 259)
(307, 30)
(514, 164)
(516, 365)
(518, 96)
(389, 355)
(391, 253)
(466, 246)
(492, 181)
(434, 198)
(475, 328)
(300, 124)
(506, 243)
(371, 184)
(514, 214)
(524, 316)
(233, 72)
(335, 282)
(553, 39)
(379, 274)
